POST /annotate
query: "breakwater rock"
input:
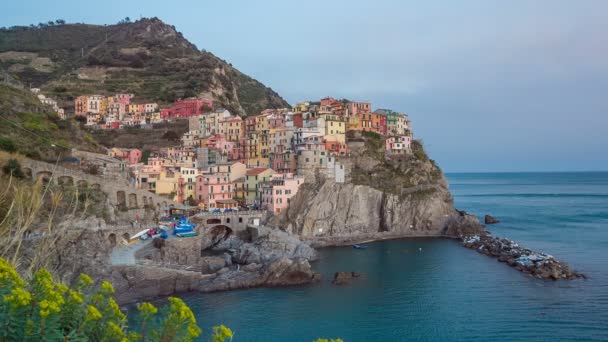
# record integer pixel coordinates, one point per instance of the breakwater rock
(536, 264)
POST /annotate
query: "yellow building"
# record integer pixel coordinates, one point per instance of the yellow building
(166, 184)
(301, 107)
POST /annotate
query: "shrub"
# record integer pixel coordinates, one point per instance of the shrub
(13, 168)
(7, 144)
(45, 310)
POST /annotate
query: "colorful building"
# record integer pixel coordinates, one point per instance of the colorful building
(186, 108)
(278, 191)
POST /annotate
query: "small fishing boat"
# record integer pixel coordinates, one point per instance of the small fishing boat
(187, 234)
(359, 247)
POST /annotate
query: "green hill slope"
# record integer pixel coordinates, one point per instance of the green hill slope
(31, 128)
(148, 58)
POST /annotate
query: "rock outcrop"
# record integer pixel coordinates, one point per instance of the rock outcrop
(383, 198)
(344, 278)
(346, 213)
(147, 282)
(281, 272)
(490, 219)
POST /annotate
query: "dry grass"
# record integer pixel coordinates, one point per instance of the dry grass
(30, 213)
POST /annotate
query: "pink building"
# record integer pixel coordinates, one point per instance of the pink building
(399, 144)
(134, 156)
(214, 191)
(354, 108)
(277, 193)
(186, 108)
(276, 121)
(328, 101)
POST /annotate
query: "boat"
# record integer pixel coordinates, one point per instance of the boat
(181, 230)
(187, 234)
(359, 247)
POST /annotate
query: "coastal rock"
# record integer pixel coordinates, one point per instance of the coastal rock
(143, 282)
(212, 264)
(344, 278)
(536, 264)
(281, 272)
(271, 245)
(490, 219)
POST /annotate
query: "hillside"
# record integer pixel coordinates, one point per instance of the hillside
(29, 127)
(147, 58)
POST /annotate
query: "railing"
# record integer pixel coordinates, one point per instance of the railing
(233, 213)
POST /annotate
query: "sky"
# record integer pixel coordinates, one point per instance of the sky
(490, 85)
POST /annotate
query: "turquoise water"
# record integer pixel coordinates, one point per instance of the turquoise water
(446, 292)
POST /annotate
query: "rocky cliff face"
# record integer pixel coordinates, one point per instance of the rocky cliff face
(383, 199)
(342, 213)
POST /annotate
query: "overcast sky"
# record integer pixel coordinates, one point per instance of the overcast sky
(490, 85)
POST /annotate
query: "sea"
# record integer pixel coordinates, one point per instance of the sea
(437, 290)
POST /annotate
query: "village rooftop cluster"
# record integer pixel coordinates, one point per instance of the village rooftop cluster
(226, 162)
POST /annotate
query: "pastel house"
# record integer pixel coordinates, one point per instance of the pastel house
(277, 193)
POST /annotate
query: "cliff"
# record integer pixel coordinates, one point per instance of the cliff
(148, 58)
(384, 198)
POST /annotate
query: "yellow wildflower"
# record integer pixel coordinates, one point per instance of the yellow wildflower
(107, 288)
(8, 274)
(147, 308)
(76, 297)
(18, 297)
(116, 309)
(61, 288)
(84, 280)
(92, 313)
(115, 330)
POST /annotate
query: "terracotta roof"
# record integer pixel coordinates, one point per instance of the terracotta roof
(257, 170)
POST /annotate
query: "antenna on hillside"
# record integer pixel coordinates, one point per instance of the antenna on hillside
(82, 52)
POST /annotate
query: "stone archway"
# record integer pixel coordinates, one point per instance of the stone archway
(44, 176)
(27, 172)
(214, 221)
(95, 186)
(121, 199)
(145, 201)
(112, 239)
(83, 184)
(132, 201)
(65, 181)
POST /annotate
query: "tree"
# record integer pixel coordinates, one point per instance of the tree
(51, 23)
(60, 22)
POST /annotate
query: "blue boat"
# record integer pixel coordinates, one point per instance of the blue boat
(359, 247)
(181, 230)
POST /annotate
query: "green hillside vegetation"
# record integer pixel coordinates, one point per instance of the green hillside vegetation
(33, 129)
(371, 168)
(147, 58)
